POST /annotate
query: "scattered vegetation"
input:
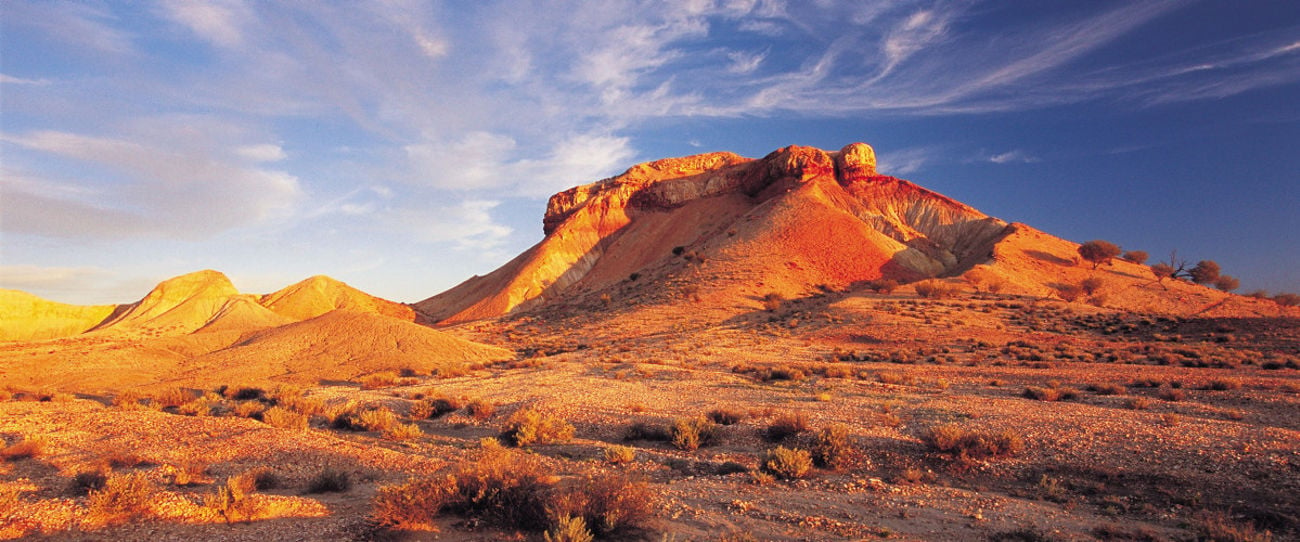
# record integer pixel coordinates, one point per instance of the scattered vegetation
(617, 454)
(936, 289)
(691, 433)
(787, 463)
(965, 445)
(786, 426)
(26, 448)
(529, 426)
(726, 416)
(124, 497)
(329, 480)
(830, 447)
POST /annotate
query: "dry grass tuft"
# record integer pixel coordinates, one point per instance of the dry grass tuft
(480, 409)
(285, 418)
(787, 463)
(26, 448)
(966, 445)
(726, 416)
(329, 480)
(935, 289)
(403, 431)
(124, 497)
(619, 454)
(231, 501)
(830, 448)
(692, 432)
(529, 426)
(1218, 527)
(786, 426)
(569, 529)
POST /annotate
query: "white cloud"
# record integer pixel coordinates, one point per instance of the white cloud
(220, 22)
(264, 152)
(182, 187)
(1013, 156)
(744, 62)
(468, 225)
(11, 80)
(484, 161)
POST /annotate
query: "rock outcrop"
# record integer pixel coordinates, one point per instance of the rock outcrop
(829, 213)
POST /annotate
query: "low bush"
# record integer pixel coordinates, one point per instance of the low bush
(403, 431)
(964, 444)
(726, 416)
(936, 289)
(231, 501)
(85, 482)
(1051, 393)
(1223, 384)
(124, 497)
(1166, 393)
(26, 448)
(284, 418)
(646, 431)
(414, 505)
(786, 426)
(619, 454)
(528, 426)
(569, 529)
(329, 480)
(480, 409)
(692, 432)
(830, 448)
(787, 463)
(1107, 389)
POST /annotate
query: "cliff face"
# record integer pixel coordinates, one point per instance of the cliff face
(829, 213)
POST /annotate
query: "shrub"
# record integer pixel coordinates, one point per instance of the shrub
(786, 426)
(1138, 403)
(935, 289)
(528, 426)
(250, 409)
(1218, 526)
(1051, 393)
(245, 393)
(382, 379)
(231, 500)
(830, 446)
(1287, 299)
(692, 432)
(1162, 271)
(26, 448)
(1098, 252)
(376, 419)
(569, 529)
(787, 463)
(773, 301)
(1135, 256)
(646, 431)
(1069, 292)
(421, 410)
(619, 454)
(129, 400)
(85, 482)
(1166, 393)
(964, 444)
(1223, 384)
(609, 505)
(883, 286)
(480, 409)
(329, 480)
(504, 487)
(1205, 272)
(1107, 389)
(201, 406)
(1227, 283)
(1091, 285)
(726, 416)
(123, 497)
(412, 506)
(284, 418)
(403, 431)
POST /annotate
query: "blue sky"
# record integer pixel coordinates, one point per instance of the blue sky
(403, 146)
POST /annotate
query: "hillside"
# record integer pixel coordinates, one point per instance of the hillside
(725, 231)
(25, 317)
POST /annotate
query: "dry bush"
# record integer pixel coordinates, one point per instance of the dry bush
(725, 416)
(1218, 527)
(690, 433)
(412, 506)
(569, 529)
(646, 431)
(965, 445)
(285, 418)
(187, 473)
(610, 505)
(295, 399)
(1223, 384)
(619, 454)
(1091, 285)
(528, 426)
(443, 406)
(1137, 403)
(85, 482)
(1287, 299)
(506, 488)
(352, 417)
(26, 448)
(1135, 256)
(480, 409)
(129, 400)
(201, 406)
(773, 301)
(787, 463)
(382, 379)
(1069, 292)
(1051, 393)
(403, 431)
(786, 426)
(1166, 393)
(421, 410)
(1107, 389)
(329, 480)
(830, 446)
(244, 393)
(250, 409)
(1098, 252)
(882, 286)
(172, 398)
(123, 498)
(264, 478)
(231, 501)
(936, 289)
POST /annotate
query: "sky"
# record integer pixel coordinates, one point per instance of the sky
(403, 146)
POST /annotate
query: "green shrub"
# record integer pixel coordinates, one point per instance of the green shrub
(787, 463)
(528, 426)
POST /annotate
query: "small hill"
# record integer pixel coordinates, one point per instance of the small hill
(320, 294)
(25, 317)
(339, 345)
(243, 313)
(178, 305)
